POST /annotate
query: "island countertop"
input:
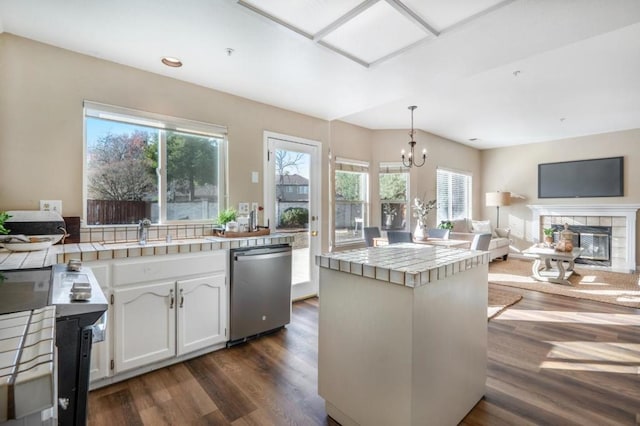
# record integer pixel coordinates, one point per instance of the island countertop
(407, 264)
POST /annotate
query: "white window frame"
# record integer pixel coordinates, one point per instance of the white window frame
(347, 165)
(449, 174)
(397, 168)
(160, 122)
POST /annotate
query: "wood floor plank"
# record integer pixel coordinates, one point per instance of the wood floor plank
(228, 397)
(551, 360)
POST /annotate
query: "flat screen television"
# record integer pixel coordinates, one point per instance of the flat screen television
(601, 177)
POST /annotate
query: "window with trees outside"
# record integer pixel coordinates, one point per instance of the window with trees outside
(394, 195)
(351, 200)
(143, 165)
(454, 195)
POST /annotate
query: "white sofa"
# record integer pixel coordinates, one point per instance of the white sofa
(466, 229)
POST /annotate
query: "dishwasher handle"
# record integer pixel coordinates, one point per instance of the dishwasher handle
(247, 256)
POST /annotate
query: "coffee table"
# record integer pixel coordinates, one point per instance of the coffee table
(558, 274)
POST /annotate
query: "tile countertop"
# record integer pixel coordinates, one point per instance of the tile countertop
(88, 252)
(407, 264)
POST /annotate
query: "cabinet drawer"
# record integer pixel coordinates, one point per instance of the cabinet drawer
(168, 267)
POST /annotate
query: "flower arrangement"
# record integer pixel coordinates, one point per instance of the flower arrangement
(389, 210)
(422, 208)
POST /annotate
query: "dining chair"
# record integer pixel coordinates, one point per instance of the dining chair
(371, 232)
(399, 237)
(438, 233)
(481, 242)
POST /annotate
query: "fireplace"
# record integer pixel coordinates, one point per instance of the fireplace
(594, 240)
(620, 217)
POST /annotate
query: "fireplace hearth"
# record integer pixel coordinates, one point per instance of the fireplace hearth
(621, 218)
(594, 240)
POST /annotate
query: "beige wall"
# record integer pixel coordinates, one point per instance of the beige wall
(42, 89)
(387, 145)
(515, 169)
(41, 149)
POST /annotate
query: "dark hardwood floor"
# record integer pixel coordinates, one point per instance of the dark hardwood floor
(553, 360)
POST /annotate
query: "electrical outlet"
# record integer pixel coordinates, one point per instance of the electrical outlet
(254, 207)
(51, 206)
(243, 208)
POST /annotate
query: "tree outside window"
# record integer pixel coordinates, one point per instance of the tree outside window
(393, 183)
(126, 182)
(351, 202)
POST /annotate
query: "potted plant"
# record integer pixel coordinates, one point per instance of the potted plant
(3, 217)
(446, 224)
(548, 236)
(226, 216)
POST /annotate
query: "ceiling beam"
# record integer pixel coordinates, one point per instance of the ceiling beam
(411, 15)
(344, 19)
(275, 19)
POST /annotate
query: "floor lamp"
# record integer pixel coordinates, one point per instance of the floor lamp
(498, 199)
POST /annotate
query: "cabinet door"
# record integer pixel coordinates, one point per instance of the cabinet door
(145, 325)
(202, 312)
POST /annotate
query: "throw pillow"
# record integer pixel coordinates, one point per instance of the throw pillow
(481, 227)
(502, 232)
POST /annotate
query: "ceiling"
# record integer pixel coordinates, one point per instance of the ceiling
(486, 73)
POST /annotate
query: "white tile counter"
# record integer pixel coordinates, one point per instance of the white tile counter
(88, 252)
(27, 362)
(407, 264)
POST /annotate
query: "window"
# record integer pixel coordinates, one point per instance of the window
(144, 165)
(394, 195)
(351, 200)
(454, 195)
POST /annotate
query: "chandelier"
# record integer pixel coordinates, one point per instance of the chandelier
(410, 159)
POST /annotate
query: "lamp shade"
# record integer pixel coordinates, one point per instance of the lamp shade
(498, 198)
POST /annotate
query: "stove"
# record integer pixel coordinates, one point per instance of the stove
(28, 290)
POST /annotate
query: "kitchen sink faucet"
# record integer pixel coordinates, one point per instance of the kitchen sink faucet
(143, 228)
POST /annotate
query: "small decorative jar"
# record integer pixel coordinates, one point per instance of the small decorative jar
(566, 240)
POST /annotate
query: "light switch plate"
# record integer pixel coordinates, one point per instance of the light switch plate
(243, 208)
(254, 207)
(254, 177)
(51, 206)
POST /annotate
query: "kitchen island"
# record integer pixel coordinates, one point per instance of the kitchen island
(402, 334)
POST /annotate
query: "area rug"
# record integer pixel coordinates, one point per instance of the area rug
(602, 286)
(499, 300)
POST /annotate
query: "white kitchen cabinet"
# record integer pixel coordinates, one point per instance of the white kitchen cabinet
(145, 325)
(167, 307)
(201, 313)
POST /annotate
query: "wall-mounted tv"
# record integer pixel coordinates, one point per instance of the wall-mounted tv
(601, 177)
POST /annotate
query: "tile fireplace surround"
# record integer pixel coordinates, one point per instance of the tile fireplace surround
(621, 217)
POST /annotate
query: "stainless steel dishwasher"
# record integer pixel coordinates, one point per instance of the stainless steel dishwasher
(260, 291)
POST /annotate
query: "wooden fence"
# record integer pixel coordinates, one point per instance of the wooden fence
(109, 212)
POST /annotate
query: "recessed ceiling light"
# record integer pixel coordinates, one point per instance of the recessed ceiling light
(171, 62)
(229, 51)
(516, 73)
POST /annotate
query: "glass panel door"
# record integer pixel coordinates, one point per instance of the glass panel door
(292, 202)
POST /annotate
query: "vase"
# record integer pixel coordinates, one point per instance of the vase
(420, 234)
(388, 221)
